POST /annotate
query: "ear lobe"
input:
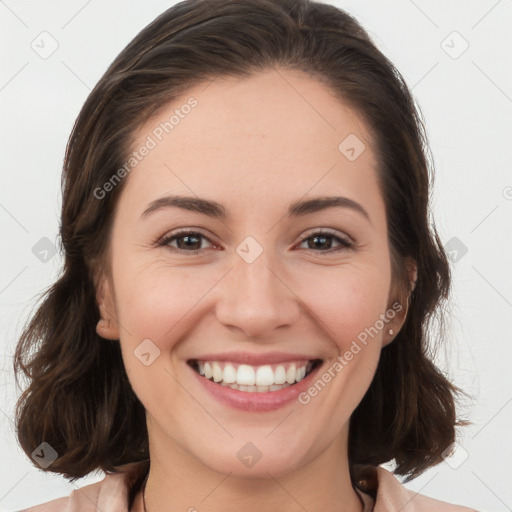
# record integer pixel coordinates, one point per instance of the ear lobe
(393, 327)
(107, 326)
(413, 275)
(396, 323)
(401, 307)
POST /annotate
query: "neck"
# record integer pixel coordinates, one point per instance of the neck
(178, 482)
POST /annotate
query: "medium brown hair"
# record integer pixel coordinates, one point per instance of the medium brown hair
(79, 399)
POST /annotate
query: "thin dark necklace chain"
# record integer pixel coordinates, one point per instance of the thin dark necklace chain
(146, 481)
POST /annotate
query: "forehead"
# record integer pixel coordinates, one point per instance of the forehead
(263, 137)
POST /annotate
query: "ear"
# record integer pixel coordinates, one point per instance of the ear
(107, 326)
(398, 305)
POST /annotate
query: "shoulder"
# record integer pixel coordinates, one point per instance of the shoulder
(80, 499)
(392, 496)
(58, 505)
(108, 495)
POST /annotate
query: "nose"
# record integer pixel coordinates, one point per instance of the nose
(255, 298)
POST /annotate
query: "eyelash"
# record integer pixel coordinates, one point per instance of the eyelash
(345, 243)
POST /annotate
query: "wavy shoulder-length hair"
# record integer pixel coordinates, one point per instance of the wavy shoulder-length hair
(78, 398)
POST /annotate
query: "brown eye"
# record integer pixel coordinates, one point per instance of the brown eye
(322, 242)
(186, 241)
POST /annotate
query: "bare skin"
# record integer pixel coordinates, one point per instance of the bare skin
(255, 145)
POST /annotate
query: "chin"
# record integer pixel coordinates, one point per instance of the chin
(255, 459)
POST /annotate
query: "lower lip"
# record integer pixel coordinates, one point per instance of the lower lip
(257, 401)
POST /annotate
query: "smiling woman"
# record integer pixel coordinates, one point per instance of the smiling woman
(248, 303)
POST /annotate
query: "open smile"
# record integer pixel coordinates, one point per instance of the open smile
(254, 387)
(254, 379)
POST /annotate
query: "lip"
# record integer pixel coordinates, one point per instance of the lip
(255, 359)
(257, 401)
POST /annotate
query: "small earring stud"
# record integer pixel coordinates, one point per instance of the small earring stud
(391, 332)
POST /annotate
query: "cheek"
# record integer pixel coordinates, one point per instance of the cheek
(155, 301)
(346, 301)
(348, 304)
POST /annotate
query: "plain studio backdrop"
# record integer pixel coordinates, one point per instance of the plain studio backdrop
(455, 56)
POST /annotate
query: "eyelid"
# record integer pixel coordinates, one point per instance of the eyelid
(328, 231)
(345, 241)
(165, 239)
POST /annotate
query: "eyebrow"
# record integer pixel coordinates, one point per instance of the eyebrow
(216, 210)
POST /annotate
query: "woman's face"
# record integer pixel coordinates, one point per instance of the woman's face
(265, 285)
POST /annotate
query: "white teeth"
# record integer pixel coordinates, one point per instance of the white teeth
(264, 376)
(229, 375)
(254, 389)
(217, 372)
(245, 375)
(291, 374)
(280, 375)
(276, 387)
(253, 379)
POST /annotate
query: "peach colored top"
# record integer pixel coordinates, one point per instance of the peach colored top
(112, 495)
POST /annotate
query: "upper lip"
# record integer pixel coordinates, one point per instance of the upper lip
(254, 359)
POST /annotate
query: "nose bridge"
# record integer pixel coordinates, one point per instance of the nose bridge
(254, 298)
(256, 277)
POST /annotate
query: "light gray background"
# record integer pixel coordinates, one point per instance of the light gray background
(466, 98)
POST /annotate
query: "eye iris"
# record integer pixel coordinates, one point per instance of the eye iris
(323, 238)
(196, 244)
